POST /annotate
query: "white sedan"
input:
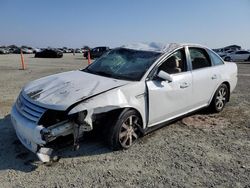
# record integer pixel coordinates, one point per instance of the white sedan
(127, 93)
(241, 55)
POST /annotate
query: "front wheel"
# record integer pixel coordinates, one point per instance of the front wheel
(220, 98)
(125, 131)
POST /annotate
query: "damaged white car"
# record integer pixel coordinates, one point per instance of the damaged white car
(129, 92)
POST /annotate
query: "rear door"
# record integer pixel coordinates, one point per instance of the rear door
(205, 77)
(240, 56)
(244, 55)
(237, 56)
(168, 100)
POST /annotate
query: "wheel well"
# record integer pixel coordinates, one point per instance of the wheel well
(130, 108)
(228, 86)
(110, 116)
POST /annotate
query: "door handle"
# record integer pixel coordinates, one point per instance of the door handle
(184, 85)
(214, 77)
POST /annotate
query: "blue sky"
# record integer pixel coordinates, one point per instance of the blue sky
(75, 23)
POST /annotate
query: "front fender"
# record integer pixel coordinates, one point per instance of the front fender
(128, 96)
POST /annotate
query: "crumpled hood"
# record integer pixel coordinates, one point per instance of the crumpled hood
(61, 90)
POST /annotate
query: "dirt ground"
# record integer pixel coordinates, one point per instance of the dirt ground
(202, 150)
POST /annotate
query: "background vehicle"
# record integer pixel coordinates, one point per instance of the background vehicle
(35, 50)
(127, 93)
(78, 50)
(241, 55)
(49, 53)
(228, 49)
(3, 51)
(225, 53)
(96, 52)
(27, 51)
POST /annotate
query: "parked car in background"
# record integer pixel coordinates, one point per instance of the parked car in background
(127, 93)
(16, 51)
(222, 51)
(96, 52)
(66, 50)
(49, 53)
(241, 55)
(225, 53)
(35, 50)
(77, 50)
(3, 51)
(27, 51)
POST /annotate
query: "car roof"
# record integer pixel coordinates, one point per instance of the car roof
(159, 47)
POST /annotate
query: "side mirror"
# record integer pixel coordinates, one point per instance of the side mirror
(165, 76)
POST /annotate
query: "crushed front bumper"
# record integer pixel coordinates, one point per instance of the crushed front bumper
(34, 137)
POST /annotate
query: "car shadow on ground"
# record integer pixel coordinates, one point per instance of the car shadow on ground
(14, 156)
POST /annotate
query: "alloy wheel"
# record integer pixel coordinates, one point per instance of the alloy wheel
(221, 98)
(129, 131)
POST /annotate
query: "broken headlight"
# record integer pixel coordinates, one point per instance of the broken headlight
(51, 117)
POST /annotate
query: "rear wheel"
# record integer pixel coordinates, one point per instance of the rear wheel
(248, 58)
(125, 131)
(220, 98)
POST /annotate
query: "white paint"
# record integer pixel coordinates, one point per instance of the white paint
(59, 91)
(240, 55)
(125, 96)
(183, 93)
(153, 46)
(168, 99)
(44, 154)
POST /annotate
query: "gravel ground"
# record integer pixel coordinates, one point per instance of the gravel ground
(202, 150)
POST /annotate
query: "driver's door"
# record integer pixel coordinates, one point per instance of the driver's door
(167, 100)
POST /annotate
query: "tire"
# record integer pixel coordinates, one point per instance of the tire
(124, 132)
(248, 59)
(220, 99)
(228, 58)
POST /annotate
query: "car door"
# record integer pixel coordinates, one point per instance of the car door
(205, 77)
(239, 56)
(167, 100)
(244, 55)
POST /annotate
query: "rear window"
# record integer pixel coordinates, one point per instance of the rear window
(215, 59)
(199, 58)
(242, 52)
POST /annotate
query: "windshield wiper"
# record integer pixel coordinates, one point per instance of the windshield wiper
(106, 74)
(87, 70)
(102, 73)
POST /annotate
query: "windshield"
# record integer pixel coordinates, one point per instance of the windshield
(123, 63)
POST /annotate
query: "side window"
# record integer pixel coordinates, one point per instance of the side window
(239, 52)
(176, 63)
(215, 59)
(199, 58)
(242, 52)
